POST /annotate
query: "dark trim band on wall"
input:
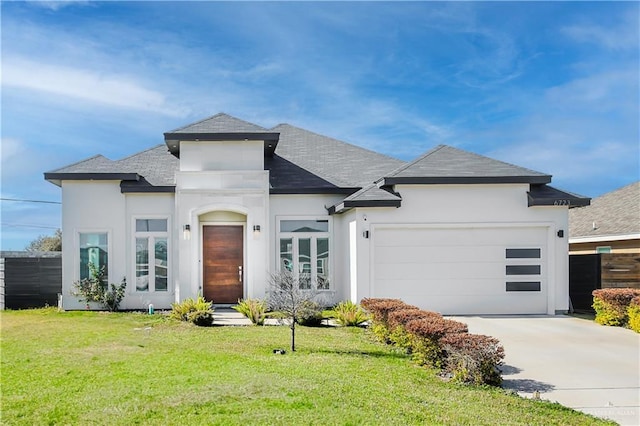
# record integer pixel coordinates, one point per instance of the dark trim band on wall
(523, 269)
(523, 285)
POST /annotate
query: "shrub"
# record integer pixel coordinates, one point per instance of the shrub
(254, 309)
(310, 314)
(397, 333)
(472, 358)
(424, 338)
(633, 312)
(611, 305)
(201, 318)
(198, 311)
(380, 308)
(403, 316)
(96, 289)
(349, 314)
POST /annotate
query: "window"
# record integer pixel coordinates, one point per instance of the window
(94, 250)
(304, 251)
(603, 249)
(152, 255)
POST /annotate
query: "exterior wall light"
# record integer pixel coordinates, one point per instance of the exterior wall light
(561, 233)
(186, 232)
(256, 228)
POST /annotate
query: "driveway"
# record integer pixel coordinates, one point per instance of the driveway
(576, 362)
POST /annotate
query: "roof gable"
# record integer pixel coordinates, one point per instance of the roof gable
(447, 165)
(220, 123)
(220, 127)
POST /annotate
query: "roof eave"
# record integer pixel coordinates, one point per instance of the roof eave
(348, 205)
(54, 177)
(603, 238)
(270, 139)
(465, 180)
(311, 190)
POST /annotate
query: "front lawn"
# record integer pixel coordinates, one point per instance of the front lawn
(124, 368)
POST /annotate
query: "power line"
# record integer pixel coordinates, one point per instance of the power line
(30, 201)
(22, 225)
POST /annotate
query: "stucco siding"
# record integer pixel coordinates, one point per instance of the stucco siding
(91, 207)
(468, 207)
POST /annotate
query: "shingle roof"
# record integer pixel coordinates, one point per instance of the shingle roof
(220, 123)
(445, 164)
(306, 162)
(156, 165)
(338, 162)
(614, 213)
(369, 196)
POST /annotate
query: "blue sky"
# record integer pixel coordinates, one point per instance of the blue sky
(551, 86)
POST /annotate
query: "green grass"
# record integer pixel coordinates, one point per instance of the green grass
(99, 368)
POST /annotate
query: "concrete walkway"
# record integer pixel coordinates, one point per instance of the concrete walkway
(576, 362)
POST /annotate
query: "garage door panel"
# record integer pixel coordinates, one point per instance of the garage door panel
(485, 253)
(414, 237)
(457, 270)
(442, 270)
(426, 288)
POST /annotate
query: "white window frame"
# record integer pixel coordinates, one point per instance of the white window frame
(78, 260)
(151, 235)
(313, 236)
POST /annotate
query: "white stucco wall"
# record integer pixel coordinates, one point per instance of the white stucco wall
(221, 155)
(99, 206)
(460, 205)
(91, 206)
(210, 197)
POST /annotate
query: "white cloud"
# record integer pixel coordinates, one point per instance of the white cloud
(56, 5)
(84, 84)
(622, 36)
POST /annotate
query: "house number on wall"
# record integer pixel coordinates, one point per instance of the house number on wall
(562, 203)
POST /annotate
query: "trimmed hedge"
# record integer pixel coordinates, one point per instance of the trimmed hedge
(473, 358)
(436, 342)
(380, 310)
(633, 312)
(612, 304)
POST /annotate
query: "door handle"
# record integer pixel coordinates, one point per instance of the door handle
(240, 274)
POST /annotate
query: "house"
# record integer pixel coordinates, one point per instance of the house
(224, 203)
(611, 224)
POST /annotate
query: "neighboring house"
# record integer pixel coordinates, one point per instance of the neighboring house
(225, 203)
(611, 224)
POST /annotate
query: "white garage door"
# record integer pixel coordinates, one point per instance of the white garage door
(471, 270)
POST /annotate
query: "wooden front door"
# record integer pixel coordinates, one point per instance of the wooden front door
(223, 269)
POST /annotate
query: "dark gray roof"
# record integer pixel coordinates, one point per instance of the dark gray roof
(339, 163)
(220, 123)
(306, 162)
(369, 196)
(445, 164)
(614, 213)
(220, 127)
(153, 167)
(545, 195)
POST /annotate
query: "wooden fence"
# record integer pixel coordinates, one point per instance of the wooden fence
(588, 272)
(30, 280)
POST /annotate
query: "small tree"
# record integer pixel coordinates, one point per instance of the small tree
(287, 296)
(46, 243)
(96, 289)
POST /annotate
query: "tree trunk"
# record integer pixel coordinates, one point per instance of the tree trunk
(293, 336)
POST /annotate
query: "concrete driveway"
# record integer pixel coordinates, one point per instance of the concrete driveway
(576, 362)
